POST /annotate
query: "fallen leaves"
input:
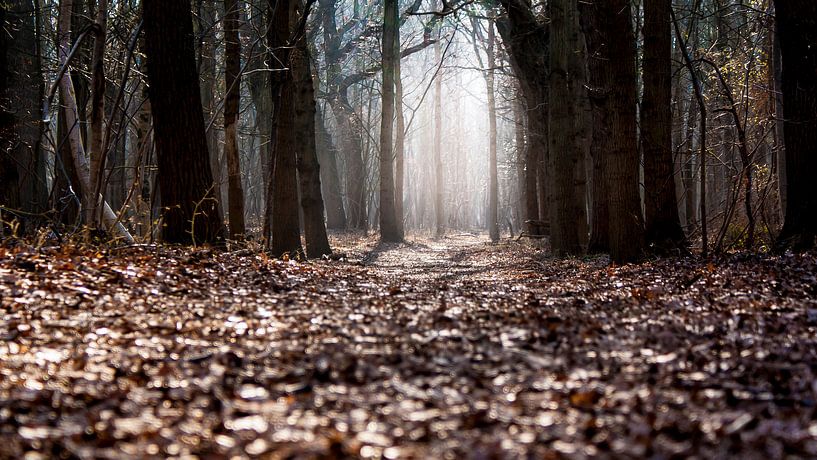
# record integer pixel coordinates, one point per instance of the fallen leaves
(450, 348)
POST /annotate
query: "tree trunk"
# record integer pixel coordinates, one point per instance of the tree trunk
(565, 151)
(493, 182)
(527, 42)
(282, 194)
(662, 224)
(351, 142)
(23, 185)
(439, 190)
(600, 85)
(327, 158)
(309, 174)
(797, 30)
(232, 85)
(95, 140)
(190, 205)
(399, 138)
(621, 162)
(388, 219)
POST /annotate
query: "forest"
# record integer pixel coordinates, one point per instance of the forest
(408, 229)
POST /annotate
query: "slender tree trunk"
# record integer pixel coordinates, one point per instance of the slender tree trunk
(493, 182)
(599, 88)
(327, 158)
(662, 224)
(696, 85)
(797, 30)
(232, 85)
(399, 138)
(349, 128)
(621, 162)
(527, 181)
(439, 190)
(190, 205)
(95, 140)
(388, 220)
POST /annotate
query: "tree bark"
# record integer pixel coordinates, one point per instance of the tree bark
(797, 30)
(388, 219)
(190, 206)
(282, 194)
(621, 162)
(600, 86)
(493, 182)
(23, 186)
(564, 151)
(309, 175)
(662, 223)
(95, 139)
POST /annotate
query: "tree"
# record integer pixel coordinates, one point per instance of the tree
(797, 30)
(190, 210)
(439, 189)
(599, 82)
(527, 40)
(565, 151)
(621, 162)
(389, 231)
(662, 222)
(351, 141)
(232, 99)
(317, 243)
(23, 185)
(282, 193)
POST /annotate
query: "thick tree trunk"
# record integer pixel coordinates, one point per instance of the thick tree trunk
(621, 163)
(565, 151)
(190, 205)
(95, 140)
(662, 224)
(282, 193)
(797, 30)
(309, 174)
(23, 185)
(388, 220)
(232, 84)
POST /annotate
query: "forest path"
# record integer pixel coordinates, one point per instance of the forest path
(449, 348)
(453, 256)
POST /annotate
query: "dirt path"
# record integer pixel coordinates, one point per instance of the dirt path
(453, 348)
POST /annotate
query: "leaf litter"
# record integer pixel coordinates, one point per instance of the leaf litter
(450, 348)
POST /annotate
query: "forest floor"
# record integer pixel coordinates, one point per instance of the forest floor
(453, 348)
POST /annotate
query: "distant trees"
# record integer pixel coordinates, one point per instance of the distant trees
(346, 117)
(232, 103)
